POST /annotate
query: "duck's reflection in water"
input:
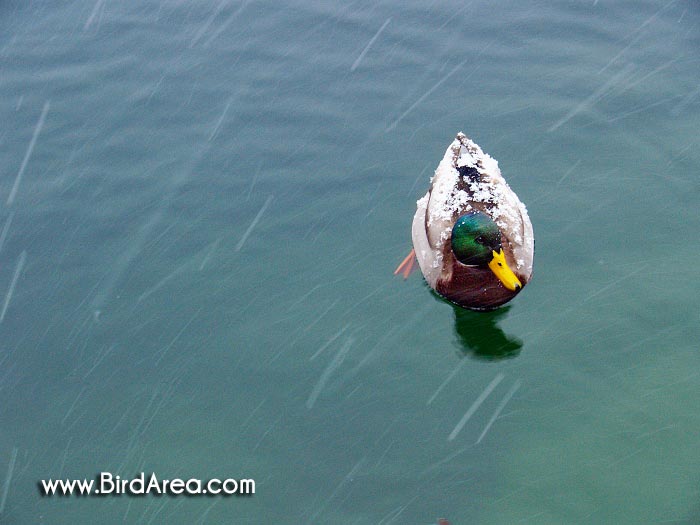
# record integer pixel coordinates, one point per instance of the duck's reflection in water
(478, 334)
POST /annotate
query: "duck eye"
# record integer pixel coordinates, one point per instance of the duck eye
(479, 240)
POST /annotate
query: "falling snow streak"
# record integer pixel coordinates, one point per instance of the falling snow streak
(203, 517)
(177, 271)
(651, 73)
(449, 378)
(8, 479)
(141, 236)
(253, 224)
(208, 23)
(97, 10)
(11, 290)
(369, 45)
(303, 298)
(221, 120)
(265, 434)
(622, 52)
(418, 178)
(569, 171)
(378, 349)
(163, 281)
(64, 456)
(255, 178)
(426, 95)
(28, 154)
(328, 372)
(593, 98)
(209, 254)
(137, 430)
(225, 25)
(349, 477)
(322, 315)
(392, 516)
(328, 343)
(174, 340)
(498, 410)
(687, 100)
(6, 229)
(639, 35)
(475, 406)
(455, 15)
(647, 107)
(72, 407)
(99, 360)
(119, 268)
(247, 420)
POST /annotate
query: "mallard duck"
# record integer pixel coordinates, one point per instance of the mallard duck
(471, 235)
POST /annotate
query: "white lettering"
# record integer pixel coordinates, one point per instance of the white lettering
(137, 485)
(153, 484)
(193, 486)
(214, 486)
(177, 486)
(230, 490)
(106, 484)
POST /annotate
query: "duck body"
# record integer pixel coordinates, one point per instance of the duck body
(471, 235)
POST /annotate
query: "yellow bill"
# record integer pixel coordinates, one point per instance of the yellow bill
(500, 267)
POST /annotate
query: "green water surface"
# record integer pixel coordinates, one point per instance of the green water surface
(202, 204)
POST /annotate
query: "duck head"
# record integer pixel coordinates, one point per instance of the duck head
(476, 241)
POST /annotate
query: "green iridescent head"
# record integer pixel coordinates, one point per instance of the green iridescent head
(474, 239)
